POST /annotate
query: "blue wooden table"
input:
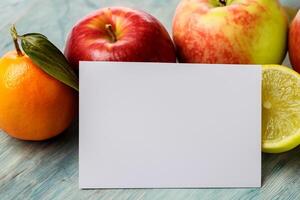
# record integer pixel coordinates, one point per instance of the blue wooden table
(49, 170)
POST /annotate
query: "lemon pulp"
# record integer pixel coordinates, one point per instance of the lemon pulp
(280, 109)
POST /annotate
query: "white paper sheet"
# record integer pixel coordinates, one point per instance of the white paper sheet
(146, 125)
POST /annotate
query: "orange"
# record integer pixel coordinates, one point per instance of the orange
(33, 105)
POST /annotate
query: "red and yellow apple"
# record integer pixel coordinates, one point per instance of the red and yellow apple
(119, 34)
(230, 31)
(294, 43)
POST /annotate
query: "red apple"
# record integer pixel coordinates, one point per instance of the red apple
(119, 34)
(294, 43)
(230, 31)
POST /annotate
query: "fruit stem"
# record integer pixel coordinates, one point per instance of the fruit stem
(14, 34)
(223, 2)
(110, 31)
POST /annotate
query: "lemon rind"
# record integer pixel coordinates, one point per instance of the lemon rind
(282, 146)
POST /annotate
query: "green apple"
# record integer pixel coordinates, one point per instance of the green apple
(230, 31)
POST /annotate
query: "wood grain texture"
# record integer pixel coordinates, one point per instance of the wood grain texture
(49, 170)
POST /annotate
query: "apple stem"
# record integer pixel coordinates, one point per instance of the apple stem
(14, 34)
(223, 2)
(110, 31)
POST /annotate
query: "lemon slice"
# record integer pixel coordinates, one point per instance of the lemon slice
(280, 109)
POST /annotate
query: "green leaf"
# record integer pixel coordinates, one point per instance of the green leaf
(49, 58)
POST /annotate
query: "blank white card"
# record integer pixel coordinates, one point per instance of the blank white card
(149, 125)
